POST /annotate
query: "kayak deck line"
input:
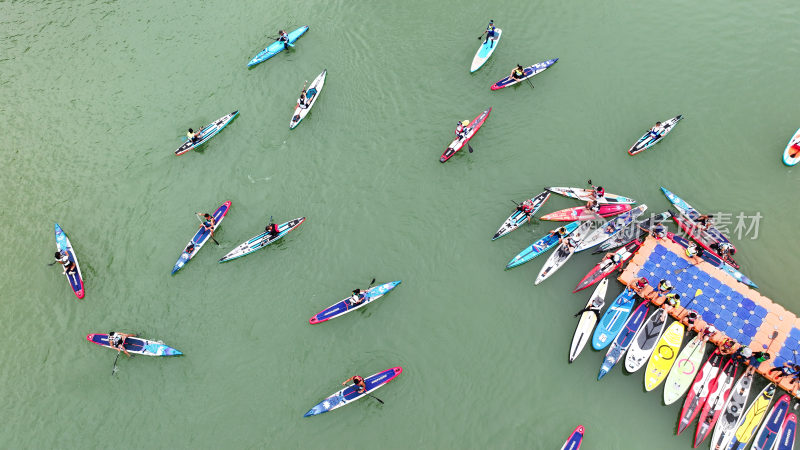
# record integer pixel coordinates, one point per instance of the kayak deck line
(737, 311)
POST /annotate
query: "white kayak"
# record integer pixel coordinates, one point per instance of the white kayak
(645, 340)
(564, 251)
(588, 320)
(312, 93)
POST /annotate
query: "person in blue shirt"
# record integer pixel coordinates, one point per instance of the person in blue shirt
(491, 33)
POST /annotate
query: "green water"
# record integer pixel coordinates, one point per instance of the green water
(96, 96)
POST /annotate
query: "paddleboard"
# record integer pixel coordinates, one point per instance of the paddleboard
(645, 340)
(613, 320)
(732, 411)
(664, 356)
(683, 371)
(588, 320)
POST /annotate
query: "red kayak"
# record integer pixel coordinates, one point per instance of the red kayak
(716, 402)
(705, 239)
(459, 143)
(607, 266)
(698, 393)
(581, 213)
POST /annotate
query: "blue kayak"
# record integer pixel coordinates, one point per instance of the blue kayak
(276, 47)
(262, 240)
(613, 320)
(345, 306)
(542, 245)
(351, 394)
(624, 339)
(201, 237)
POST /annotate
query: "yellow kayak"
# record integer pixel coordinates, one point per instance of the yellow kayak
(753, 417)
(662, 359)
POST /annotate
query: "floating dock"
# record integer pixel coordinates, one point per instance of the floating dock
(734, 309)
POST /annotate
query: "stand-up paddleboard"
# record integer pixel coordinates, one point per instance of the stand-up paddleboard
(663, 357)
(588, 320)
(607, 265)
(645, 340)
(544, 244)
(649, 140)
(136, 345)
(624, 339)
(704, 382)
(788, 433)
(459, 142)
(574, 440)
(74, 278)
(528, 72)
(207, 133)
(683, 371)
(312, 93)
(718, 394)
(581, 213)
(610, 228)
(770, 430)
(518, 217)
(201, 237)
(346, 305)
(262, 240)
(613, 320)
(351, 394)
(276, 47)
(485, 51)
(563, 252)
(636, 231)
(752, 418)
(585, 195)
(715, 261)
(791, 154)
(732, 411)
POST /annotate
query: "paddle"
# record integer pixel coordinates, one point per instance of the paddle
(686, 308)
(684, 268)
(376, 398)
(772, 339)
(370, 285)
(52, 263)
(469, 147)
(114, 370)
(210, 235)
(529, 82)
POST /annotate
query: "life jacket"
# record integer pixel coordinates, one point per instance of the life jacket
(114, 339)
(665, 286)
(519, 73)
(600, 191)
(691, 251)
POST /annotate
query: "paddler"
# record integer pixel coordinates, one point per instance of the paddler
(208, 221)
(611, 259)
(597, 191)
(559, 233)
(786, 369)
(303, 100)
(673, 300)
(656, 131)
(491, 33)
(693, 250)
(357, 380)
(358, 297)
(518, 72)
(117, 341)
(461, 129)
(63, 259)
(664, 286)
(725, 250)
(595, 307)
(283, 37)
(526, 208)
(272, 229)
(593, 205)
(189, 248)
(193, 136)
(705, 221)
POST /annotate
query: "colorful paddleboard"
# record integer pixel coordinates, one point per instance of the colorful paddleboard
(585, 195)
(351, 394)
(201, 237)
(346, 305)
(528, 72)
(312, 93)
(459, 142)
(663, 357)
(607, 265)
(752, 418)
(645, 340)
(74, 278)
(719, 391)
(518, 217)
(588, 320)
(704, 382)
(732, 411)
(485, 51)
(276, 47)
(791, 154)
(262, 240)
(541, 246)
(623, 339)
(613, 320)
(581, 213)
(563, 253)
(635, 231)
(683, 371)
(136, 345)
(788, 433)
(574, 440)
(611, 228)
(648, 140)
(770, 430)
(207, 133)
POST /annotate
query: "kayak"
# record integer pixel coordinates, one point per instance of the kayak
(770, 429)
(788, 433)
(563, 252)
(719, 391)
(207, 133)
(528, 72)
(732, 411)
(537, 248)
(752, 418)
(458, 143)
(698, 392)
(607, 266)
(581, 213)
(585, 195)
(791, 154)
(75, 278)
(624, 339)
(574, 440)
(201, 237)
(345, 306)
(613, 320)
(611, 228)
(693, 214)
(262, 240)
(648, 141)
(350, 393)
(663, 357)
(485, 51)
(518, 217)
(635, 231)
(715, 261)
(645, 340)
(588, 320)
(683, 371)
(312, 93)
(136, 345)
(704, 239)
(276, 47)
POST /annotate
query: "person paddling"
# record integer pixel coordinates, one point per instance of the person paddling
(358, 381)
(559, 233)
(595, 307)
(193, 136)
(526, 208)
(358, 297)
(518, 73)
(283, 37)
(117, 341)
(491, 33)
(303, 100)
(655, 132)
(272, 229)
(63, 259)
(461, 129)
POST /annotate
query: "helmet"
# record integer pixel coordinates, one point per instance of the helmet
(465, 122)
